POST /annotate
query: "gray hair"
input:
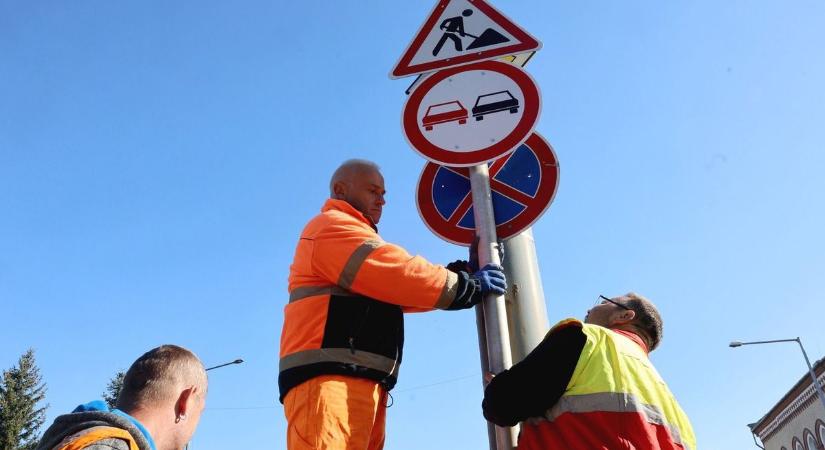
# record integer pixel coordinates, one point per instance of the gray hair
(348, 169)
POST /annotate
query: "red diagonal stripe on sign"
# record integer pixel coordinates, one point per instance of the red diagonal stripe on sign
(498, 164)
(510, 192)
(462, 209)
(505, 189)
(499, 187)
(458, 171)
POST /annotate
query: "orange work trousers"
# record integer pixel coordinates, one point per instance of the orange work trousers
(336, 412)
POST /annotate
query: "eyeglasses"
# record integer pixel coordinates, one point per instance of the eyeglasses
(602, 299)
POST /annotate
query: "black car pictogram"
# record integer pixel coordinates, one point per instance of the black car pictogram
(494, 102)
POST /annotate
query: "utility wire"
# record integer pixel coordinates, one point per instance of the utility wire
(413, 388)
(422, 386)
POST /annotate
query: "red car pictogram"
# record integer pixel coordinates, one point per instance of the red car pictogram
(443, 113)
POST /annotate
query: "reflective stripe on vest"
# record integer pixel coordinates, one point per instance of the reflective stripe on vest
(95, 434)
(613, 402)
(449, 292)
(355, 261)
(311, 291)
(614, 375)
(344, 355)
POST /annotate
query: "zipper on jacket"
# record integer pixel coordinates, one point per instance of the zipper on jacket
(357, 330)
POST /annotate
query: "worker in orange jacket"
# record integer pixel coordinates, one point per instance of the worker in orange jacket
(343, 332)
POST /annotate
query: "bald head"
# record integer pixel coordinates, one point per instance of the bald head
(349, 170)
(359, 183)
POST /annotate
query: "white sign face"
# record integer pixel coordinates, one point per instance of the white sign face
(470, 110)
(471, 114)
(461, 32)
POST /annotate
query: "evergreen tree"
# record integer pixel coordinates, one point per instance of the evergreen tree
(113, 389)
(21, 392)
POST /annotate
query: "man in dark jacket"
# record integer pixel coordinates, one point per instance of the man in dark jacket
(159, 406)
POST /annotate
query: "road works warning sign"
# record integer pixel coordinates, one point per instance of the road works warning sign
(460, 32)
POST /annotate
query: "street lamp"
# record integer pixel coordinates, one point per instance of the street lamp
(817, 386)
(237, 361)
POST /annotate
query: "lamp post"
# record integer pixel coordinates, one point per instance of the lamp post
(237, 361)
(817, 386)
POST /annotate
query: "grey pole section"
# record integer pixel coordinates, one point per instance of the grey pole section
(495, 319)
(526, 310)
(485, 364)
(817, 386)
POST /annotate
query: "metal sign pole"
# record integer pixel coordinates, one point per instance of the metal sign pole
(495, 318)
(526, 310)
(482, 351)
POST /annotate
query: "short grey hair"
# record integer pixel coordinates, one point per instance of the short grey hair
(349, 168)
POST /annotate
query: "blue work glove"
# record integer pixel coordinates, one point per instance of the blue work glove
(491, 278)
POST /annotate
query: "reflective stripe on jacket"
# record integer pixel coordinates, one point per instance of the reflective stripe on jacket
(615, 400)
(348, 290)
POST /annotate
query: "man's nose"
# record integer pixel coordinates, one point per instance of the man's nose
(381, 200)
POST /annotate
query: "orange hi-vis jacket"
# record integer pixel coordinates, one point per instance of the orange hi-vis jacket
(615, 399)
(348, 290)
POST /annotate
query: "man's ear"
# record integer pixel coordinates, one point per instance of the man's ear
(340, 190)
(182, 405)
(624, 317)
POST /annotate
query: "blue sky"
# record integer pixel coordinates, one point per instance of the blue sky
(158, 160)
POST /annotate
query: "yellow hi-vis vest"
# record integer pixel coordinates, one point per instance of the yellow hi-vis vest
(615, 400)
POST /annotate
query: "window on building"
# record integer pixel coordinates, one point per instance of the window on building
(810, 440)
(820, 430)
(797, 445)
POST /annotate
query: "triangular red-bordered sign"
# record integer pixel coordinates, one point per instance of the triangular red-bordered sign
(443, 40)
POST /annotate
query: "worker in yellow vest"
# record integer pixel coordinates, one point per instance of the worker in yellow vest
(159, 406)
(591, 385)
